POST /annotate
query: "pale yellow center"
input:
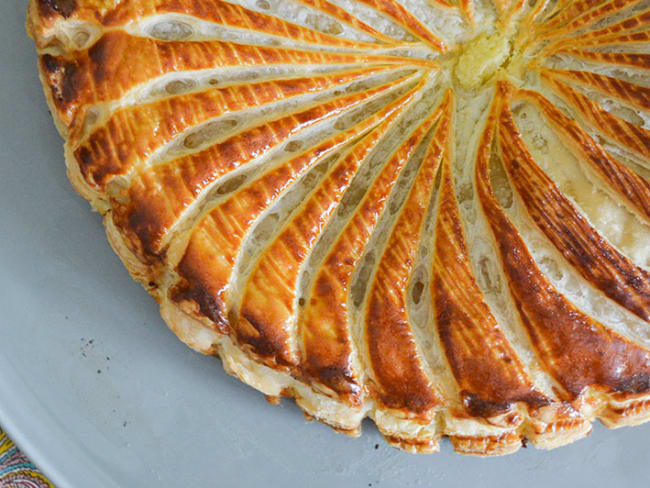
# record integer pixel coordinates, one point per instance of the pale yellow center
(480, 59)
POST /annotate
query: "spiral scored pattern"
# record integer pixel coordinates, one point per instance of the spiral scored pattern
(433, 213)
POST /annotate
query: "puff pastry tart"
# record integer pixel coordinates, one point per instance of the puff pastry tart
(433, 213)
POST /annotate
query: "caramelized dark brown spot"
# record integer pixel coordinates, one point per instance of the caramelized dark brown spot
(592, 256)
(61, 7)
(574, 348)
(488, 372)
(267, 346)
(204, 299)
(66, 83)
(398, 369)
(403, 383)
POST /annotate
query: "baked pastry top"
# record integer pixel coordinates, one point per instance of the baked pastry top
(432, 213)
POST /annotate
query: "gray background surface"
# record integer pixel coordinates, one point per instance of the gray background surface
(156, 413)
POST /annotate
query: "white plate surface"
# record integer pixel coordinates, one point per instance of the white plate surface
(99, 393)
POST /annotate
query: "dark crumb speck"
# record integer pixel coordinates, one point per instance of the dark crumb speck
(108, 358)
(99, 371)
(67, 318)
(524, 442)
(369, 484)
(376, 446)
(124, 423)
(91, 341)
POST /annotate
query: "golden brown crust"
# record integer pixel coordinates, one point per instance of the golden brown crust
(631, 413)
(578, 351)
(159, 195)
(89, 77)
(498, 445)
(398, 376)
(328, 354)
(636, 95)
(581, 245)
(618, 33)
(266, 314)
(632, 60)
(342, 14)
(569, 11)
(403, 17)
(110, 14)
(579, 16)
(634, 188)
(636, 139)
(133, 134)
(206, 285)
(490, 376)
(313, 197)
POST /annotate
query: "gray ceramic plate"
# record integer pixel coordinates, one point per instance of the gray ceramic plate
(98, 392)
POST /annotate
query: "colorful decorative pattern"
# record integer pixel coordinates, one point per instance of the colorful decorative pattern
(16, 471)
